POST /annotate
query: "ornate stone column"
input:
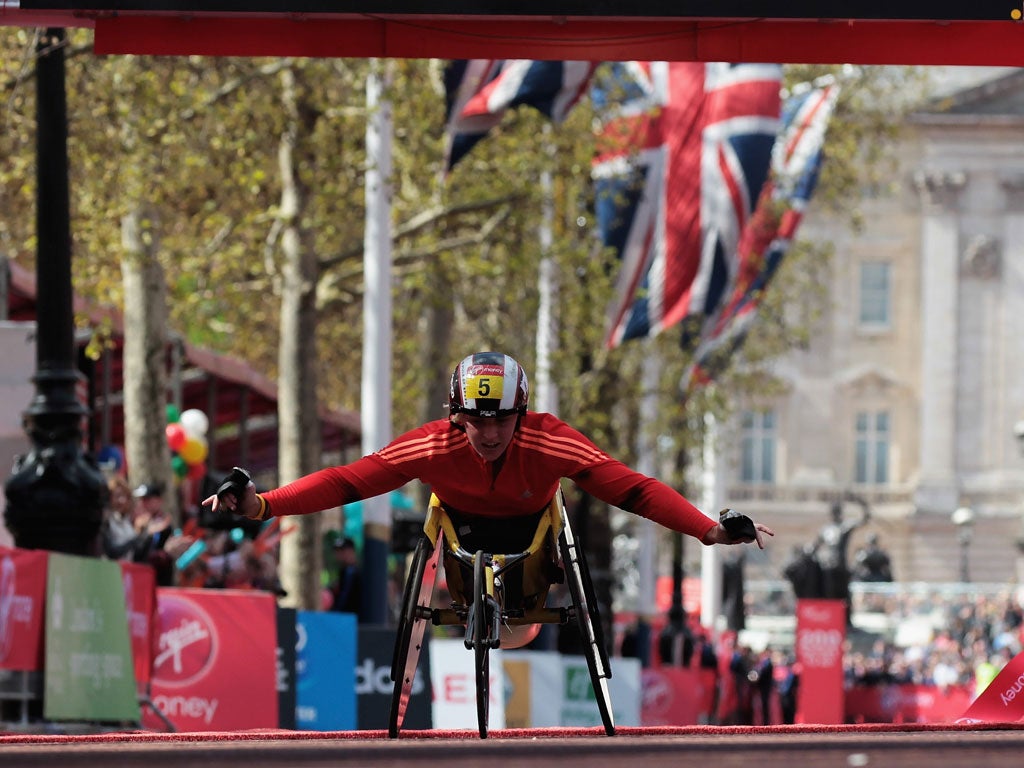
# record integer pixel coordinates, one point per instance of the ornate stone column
(1013, 321)
(940, 197)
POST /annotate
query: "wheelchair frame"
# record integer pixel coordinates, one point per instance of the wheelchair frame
(486, 613)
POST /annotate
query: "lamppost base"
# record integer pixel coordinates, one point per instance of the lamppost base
(55, 500)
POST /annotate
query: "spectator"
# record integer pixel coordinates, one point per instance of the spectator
(789, 688)
(346, 589)
(762, 675)
(117, 533)
(709, 677)
(155, 542)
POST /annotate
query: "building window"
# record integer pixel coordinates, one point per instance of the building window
(757, 463)
(875, 294)
(872, 450)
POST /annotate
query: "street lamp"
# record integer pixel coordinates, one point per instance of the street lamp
(963, 519)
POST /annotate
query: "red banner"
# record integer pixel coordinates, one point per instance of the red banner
(215, 659)
(672, 696)
(906, 703)
(1003, 700)
(140, 604)
(22, 602)
(820, 634)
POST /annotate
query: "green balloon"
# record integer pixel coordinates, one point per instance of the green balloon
(179, 466)
(173, 413)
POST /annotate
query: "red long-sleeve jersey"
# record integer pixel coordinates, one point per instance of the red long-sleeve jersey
(543, 450)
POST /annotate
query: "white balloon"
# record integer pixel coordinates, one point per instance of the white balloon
(194, 422)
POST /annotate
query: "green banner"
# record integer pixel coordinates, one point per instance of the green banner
(88, 673)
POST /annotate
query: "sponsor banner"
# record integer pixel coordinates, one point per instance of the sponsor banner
(820, 635)
(139, 582)
(287, 640)
(325, 671)
(1002, 701)
(672, 695)
(579, 704)
(22, 599)
(452, 673)
(533, 690)
(906, 703)
(214, 663)
(517, 692)
(88, 673)
(373, 681)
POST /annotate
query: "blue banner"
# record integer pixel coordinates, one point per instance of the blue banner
(325, 671)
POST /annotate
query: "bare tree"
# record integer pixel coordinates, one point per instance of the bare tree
(145, 357)
(299, 434)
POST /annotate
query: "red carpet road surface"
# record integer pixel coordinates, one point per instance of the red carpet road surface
(984, 745)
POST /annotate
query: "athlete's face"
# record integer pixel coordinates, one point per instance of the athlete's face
(488, 436)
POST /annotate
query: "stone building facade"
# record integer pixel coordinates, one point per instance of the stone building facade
(907, 397)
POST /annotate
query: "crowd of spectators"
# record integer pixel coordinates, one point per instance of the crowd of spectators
(198, 553)
(963, 639)
(899, 635)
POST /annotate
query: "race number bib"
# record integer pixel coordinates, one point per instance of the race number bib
(484, 386)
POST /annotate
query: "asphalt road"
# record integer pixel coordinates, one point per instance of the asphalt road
(781, 749)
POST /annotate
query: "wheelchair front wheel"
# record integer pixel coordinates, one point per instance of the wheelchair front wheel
(412, 622)
(481, 642)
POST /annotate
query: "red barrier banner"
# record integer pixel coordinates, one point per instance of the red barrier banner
(820, 634)
(671, 696)
(22, 614)
(1002, 701)
(906, 703)
(140, 603)
(214, 659)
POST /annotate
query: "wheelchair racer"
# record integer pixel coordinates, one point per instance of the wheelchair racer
(494, 465)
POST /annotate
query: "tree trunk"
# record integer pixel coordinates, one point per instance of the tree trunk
(145, 360)
(298, 418)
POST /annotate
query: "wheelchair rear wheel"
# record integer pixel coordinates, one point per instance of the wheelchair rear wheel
(584, 601)
(419, 588)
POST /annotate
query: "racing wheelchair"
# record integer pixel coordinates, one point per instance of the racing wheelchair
(485, 605)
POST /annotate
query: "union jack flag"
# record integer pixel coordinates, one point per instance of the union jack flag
(479, 91)
(796, 165)
(680, 165)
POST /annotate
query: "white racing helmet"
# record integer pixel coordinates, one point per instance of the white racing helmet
(489, 384)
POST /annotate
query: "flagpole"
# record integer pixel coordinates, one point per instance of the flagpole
(647, 448)
(713, 497)
(375, 411)
(547, 315)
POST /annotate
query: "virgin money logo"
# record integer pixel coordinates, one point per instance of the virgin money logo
(658, 693)
(187, 645)
(819, 647)
(815, 614)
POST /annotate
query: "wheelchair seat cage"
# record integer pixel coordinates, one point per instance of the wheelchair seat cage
(553, 556)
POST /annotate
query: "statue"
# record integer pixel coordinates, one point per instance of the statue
(803, 571)
(871, 563)
(833, 544)
(820, 569)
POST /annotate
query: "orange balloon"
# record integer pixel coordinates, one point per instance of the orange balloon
(193, 451)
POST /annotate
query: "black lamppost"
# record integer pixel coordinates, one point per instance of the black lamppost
(963, 519)
(55, 495)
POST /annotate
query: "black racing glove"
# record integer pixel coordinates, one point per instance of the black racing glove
(737, 525)
(235, 484)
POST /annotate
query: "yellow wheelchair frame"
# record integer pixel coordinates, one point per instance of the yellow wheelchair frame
(484, 615)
